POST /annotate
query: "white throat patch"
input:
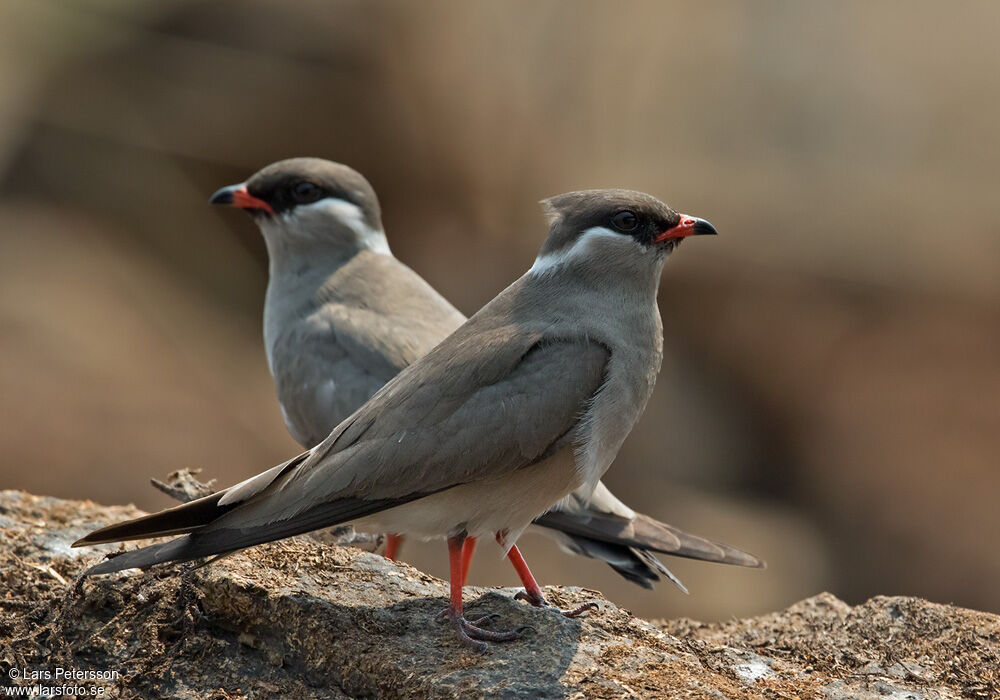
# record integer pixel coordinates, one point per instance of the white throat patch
(581, 248)
(315, 216)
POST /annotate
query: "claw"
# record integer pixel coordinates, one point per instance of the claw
(539, 601)
(523, 595)
(483, 619)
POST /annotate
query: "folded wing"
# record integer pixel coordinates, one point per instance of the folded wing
(459, 414)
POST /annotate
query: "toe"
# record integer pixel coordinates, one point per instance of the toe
(473, 644)
(489, 635)
(580, 609)
(485, 619)
(535, 600)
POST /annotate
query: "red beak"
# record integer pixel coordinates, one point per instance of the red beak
(688, 226)
(237, 196)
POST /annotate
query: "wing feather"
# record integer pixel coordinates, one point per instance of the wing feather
(476, 409)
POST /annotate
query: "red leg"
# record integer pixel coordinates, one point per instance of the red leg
(392, 544)
(468, 548)
(532, 593)
(468, 633)
(455, 547)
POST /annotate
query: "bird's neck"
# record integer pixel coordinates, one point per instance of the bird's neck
(294, 282)
(620, 282)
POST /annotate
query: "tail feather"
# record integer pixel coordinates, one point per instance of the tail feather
(644, 533)
(172, 521)
(191, 516)
(649, 531)
(220, 539)
(174, 550)
(635, 565)
(650, 559)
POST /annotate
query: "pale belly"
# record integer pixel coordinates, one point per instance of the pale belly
(483, 508)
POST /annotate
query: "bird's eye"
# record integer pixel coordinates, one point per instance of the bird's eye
(625, 220)
(306, 192)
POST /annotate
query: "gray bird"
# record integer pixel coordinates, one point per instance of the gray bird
(525, 403)
(343, 316)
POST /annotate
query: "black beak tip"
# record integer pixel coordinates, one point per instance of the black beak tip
(222, 196)
(704, 228)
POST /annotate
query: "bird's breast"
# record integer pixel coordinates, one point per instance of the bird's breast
(629, 380)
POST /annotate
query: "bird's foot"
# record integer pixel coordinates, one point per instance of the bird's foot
(471, 634)
(481, 620)
(538, 600)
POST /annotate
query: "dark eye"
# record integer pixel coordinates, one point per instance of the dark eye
(306, 192)
(625, 220)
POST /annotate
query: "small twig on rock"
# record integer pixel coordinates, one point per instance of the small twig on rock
(48, 570)
(182, 485)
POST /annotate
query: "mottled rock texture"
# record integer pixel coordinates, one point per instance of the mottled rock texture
(307, 619)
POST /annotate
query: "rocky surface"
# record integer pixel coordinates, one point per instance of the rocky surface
(308, 619)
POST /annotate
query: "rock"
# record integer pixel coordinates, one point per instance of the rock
(307, 619)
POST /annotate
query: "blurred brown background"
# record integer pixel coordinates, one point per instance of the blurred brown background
(830, 398)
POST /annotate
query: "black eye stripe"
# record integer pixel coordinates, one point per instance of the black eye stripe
(292, 190)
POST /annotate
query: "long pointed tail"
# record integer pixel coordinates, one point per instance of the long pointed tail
(644, 533)
(172, 521)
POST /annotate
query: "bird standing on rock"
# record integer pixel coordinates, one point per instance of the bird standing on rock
(526, 402)
(342, 316)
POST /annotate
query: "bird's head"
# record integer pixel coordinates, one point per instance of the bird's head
(305, 203)
(613, 229)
